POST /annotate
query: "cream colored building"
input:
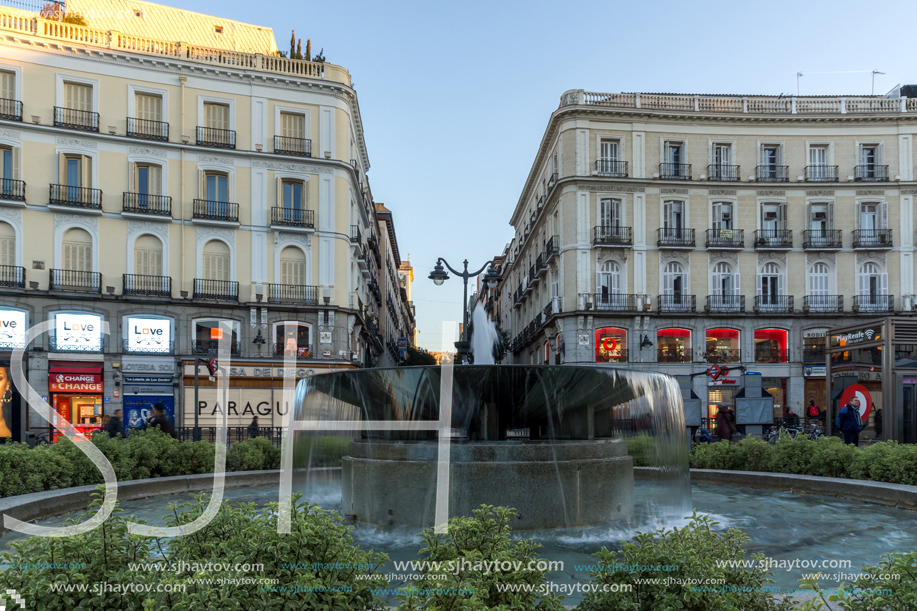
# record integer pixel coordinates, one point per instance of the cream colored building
(677, 232)
(169, 169)
(397, 312)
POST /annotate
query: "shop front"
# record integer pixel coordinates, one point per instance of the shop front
(76, 389)
(13, 327)
(610, 345)
(814, 370)
(147, 381)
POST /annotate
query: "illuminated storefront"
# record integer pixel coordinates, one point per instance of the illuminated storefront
(611, 345)
(673, 346)
(771, 346)
(76, 389)
(722, 346)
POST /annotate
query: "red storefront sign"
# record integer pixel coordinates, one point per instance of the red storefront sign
(75, 382)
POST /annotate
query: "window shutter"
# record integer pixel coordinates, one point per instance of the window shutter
(717, 283)
(883, 215)
(780, 289)
(883, 284)
(155, 179)
(864, 283)
(8, 85)
(760, 283)
(279, 182)
(736, 288)
(667, 215)
(86, 174)
(830, 216)
(207, 266)
(783, 224)
(61, 169)
(16, 151)
(202, 184)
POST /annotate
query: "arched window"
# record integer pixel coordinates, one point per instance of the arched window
(216, 261)
(673, 345)
(76, 250)
(608, 285)
(771, 346)
(725, 280)
(611, 345)
(299, 339)
(872, 289)
(292, 266)
(723, 346)
(148, 256)
(770, 287)
(7, 244)
(674, 289)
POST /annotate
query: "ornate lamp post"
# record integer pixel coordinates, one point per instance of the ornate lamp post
(439, 275)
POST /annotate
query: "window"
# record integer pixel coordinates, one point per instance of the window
(292, 266)
(869, 163)
(872, 284)
(292, 125)
(7, 85)
(722, 167)
(771, 346)
(673, 346)
(673, 218)
(818, 169)
(147, 180)
(770, 287)
(9, 171)
(771, 168)
(673, 165)
(723, 219)
(869, 156)
(725, 281)
(216, 261)
(821, 221)
(148, 107)
(773, 223)
(674, 152)
(216, 116)
(76, 250)
(299, 339)
(216, 192)
(291, 194)
(813, 347)
(218, 29)
(609, 163)
(207, 335)
(78, 97)
(608, 285)
(148, 256)
(7, 244)
(819, 285)
(674, 281)
(722, 346)
(611, 345)
(610, 217)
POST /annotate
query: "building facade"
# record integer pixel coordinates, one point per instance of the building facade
(676, 233)
(151, 188)
(397, 315)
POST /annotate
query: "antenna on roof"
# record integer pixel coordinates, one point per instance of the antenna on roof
(874, 73)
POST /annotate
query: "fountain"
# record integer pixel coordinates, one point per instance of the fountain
(484, 338)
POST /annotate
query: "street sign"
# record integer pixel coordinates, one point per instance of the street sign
(752, 373)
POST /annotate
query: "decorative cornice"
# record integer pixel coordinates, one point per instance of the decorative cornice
(722, 191)
(144, 150)
(771, 193)
(870, 256)
(283, 239)
(216, 159)
(820, 193)
(228, 235)
(674, 255)
(12, 134)
(871, 192)
(138, 228)
(673, 191)
(11, 215)
(908, 191)
(815, 257)
(90, 223)
(78, 143)
(729, 257)
(768, 257)
(291, 167)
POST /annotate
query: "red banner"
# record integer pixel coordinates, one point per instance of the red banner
(75, 382)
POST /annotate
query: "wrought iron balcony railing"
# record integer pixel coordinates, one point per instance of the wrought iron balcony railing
(871, 173)
(216, 138)
(769, 239)
(356, 237)
(75, 197)
(71, 118)
(612, 235)
(300, 294)
(722, 172)
(211, 347)
(11, 189)
(675, 171)
(295, 147)
(225, 290)
(772, 173)
(872, 238)
(766, 355)
(874, 303)
(84, 343)
(147, 129)
(552, 181)
(677, 303)
(147, 346)
(673, 356)
(824, 303)
(817, 239)
(144, 203)
(12, 276)
(781, 304)
(726, 303)
(723, 356)
(618, 302)
(678, 237)
(301, 352)
(725, 238)
(146, 286)
(292, 217)
(75, 281)
(10, 110)
(611, 168)
(205, 209)
(821, 173)
(552, 248)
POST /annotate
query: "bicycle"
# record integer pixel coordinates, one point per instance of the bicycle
(776, 432)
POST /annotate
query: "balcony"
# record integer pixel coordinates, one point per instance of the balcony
(725, 238)
(677, 303)
(533, 276)
(363, 262)
(552, 248)
(147, 129)
(552, 181)
(292, 218)
(720, 304)
(675, 171)
(84, 343)
(673, 356)
(527, 286)
(211, 347)
(12, 277)
(221, 290)
(209, 210)
(773, 239)
(774, 304)
(216, 138)
(874, 303)
(618, 302)
(297, 294)
(356, 236)
(614, 236)
(147, 286)
(74, 281)
(817, 239)
(872, 239)
(815, 356)
(675, 238)
(871, 173)
(302, 352)
(146, 205)
(76, 198)
(12, 190)
(540, 266)
(823, 303)
(723, 356)
(821, 173)
(147, 346)
(765, 355)
(726, 173)
(555, 306)
(293, 147)
(10, 110)
(611, 168)
(80, 120)
(772, 173)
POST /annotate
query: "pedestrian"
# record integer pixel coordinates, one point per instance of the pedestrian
(813, 412)
(115, 426)
(725, 427)
(160, 419)
(850, 422)
(253, 428)
(878, 423)
(789, 418)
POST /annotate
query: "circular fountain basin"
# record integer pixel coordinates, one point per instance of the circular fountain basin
(550, 484)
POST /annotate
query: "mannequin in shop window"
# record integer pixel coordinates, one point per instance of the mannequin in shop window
(6, 407)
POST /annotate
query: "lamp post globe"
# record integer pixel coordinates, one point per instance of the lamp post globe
(438, 275)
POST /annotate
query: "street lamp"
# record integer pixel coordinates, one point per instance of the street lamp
(439, 275)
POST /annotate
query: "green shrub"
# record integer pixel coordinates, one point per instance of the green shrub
(252, 455)
(897, 594)
(831, 457)
(482, 538)
(695, 550)
(717, 455)
(793, 455)
(320, 450)
(758, 454)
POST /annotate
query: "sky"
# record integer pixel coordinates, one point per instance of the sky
(455, 96)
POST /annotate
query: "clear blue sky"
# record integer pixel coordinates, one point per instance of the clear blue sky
(455, 96)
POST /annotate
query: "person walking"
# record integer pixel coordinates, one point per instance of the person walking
(253, 428)
(115, 426)
(850, 422)
(725, 427)
(813, 413)
(878, 423)
(160, 419)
